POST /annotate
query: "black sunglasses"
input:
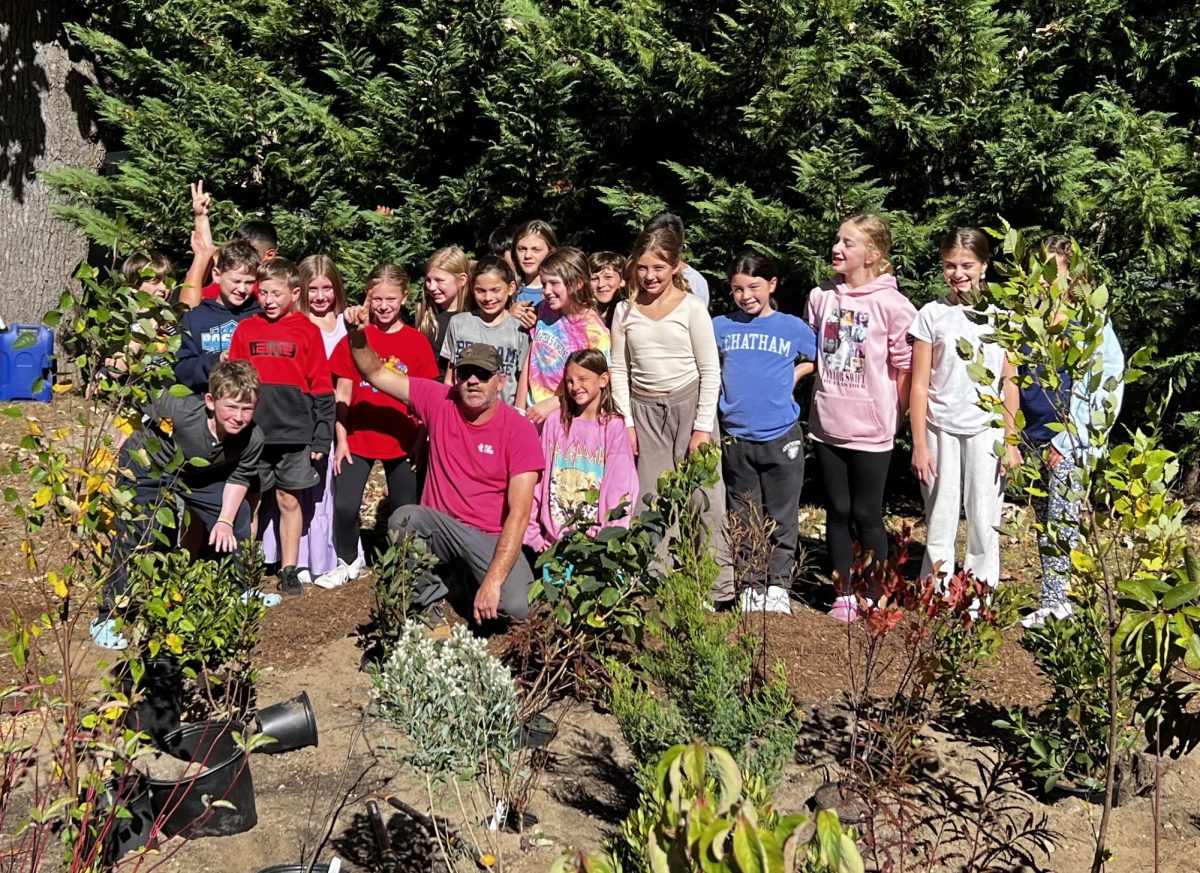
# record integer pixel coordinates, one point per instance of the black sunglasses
(462, 374)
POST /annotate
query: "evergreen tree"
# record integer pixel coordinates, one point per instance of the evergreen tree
(762, 122)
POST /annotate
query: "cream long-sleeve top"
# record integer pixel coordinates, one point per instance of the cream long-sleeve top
(660, 357)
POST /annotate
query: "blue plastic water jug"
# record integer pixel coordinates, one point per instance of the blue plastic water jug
(21, 369)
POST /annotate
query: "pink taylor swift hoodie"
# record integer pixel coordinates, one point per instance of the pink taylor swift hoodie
(862, 346)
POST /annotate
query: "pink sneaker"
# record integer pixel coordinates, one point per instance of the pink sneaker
(845, 609)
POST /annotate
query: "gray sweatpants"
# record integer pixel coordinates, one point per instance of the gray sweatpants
(459, 547)
(664, 428)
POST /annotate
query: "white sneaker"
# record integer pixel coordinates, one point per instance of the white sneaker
(304, 576)
(341, 574)
(754, 601)
(777, 600)
(1039, 617)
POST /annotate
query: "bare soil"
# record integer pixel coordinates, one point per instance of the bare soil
(318, 795)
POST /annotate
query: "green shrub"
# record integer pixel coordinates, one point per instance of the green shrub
(699, 813)
(694, 677)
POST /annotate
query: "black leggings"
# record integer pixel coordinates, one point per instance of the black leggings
(854, 482)
(348, 492)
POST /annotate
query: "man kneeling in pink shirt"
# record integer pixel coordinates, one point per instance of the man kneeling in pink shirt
(484, 462)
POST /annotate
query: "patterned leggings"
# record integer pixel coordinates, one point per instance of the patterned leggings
(1059, 515)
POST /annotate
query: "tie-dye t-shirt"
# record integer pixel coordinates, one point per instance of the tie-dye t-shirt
(554, 338)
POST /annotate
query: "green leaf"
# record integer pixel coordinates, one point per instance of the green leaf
(1181, 594)
(1138, 590)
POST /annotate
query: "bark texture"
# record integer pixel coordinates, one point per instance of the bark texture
(46, 122)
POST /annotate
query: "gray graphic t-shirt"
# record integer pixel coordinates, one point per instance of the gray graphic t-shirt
(505, 336)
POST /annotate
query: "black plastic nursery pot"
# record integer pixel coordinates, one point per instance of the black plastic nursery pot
(184, 806)
(120, 835)
(537, 731)
(292, 724)
(295, 868)
(157, 713)
(839, 797)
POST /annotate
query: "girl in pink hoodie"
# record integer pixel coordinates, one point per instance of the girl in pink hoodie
(863, 365)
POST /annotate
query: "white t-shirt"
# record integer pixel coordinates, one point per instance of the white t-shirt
(697, 283)
(953, 395)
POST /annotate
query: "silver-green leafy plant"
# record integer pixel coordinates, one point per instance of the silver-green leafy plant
(456, 707)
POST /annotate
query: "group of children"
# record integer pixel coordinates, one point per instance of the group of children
(618, 362)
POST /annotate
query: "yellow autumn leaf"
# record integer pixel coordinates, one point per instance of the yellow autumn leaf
(57, 583)
(62, 387)
(111, 713)
(177, 596)
(34, 427)
(174, 643)
(166, 426)
(42, 496)
(124, 425)
(102, 459)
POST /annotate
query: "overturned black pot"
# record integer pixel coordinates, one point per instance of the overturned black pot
(843, 799)
(292, 724)
(184, 806)
(119, 835)
(160, 690)
(537, 731)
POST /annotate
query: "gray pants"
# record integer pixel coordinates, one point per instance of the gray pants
(460, 547)
(664, 429)
(768, 476)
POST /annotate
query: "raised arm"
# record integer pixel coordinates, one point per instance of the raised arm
(388, 381)
(203, 248)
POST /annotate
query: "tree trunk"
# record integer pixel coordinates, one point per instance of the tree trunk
(46, 123)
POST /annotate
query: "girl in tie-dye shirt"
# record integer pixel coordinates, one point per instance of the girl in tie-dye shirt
(567, 322)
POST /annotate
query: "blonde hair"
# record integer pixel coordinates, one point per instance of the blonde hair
(666, 244)
(453, 260)
(236, 380)
(322, 265)
(390, 274)
(878, 235)
(278, 268)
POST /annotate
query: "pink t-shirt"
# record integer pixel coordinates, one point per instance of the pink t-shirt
(470, 465)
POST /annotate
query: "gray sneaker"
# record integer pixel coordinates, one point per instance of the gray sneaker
(437, 623)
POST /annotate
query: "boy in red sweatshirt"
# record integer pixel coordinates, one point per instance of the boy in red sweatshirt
(296, 410)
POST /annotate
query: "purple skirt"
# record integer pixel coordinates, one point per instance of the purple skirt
(317, 554)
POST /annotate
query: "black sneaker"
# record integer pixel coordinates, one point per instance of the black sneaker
(289, 581)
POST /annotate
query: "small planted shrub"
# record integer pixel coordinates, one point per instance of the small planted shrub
(700, 813)
(397, 571)
(590, 601)
(196, 613)
(456, 708)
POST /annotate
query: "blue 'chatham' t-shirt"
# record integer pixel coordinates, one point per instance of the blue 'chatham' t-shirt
(758, 360)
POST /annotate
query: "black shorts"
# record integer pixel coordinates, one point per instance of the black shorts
(289, 467)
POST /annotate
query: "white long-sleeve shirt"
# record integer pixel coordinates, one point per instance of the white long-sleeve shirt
(659, 357)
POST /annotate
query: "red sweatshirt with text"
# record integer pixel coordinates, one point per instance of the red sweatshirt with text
(297, 406)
